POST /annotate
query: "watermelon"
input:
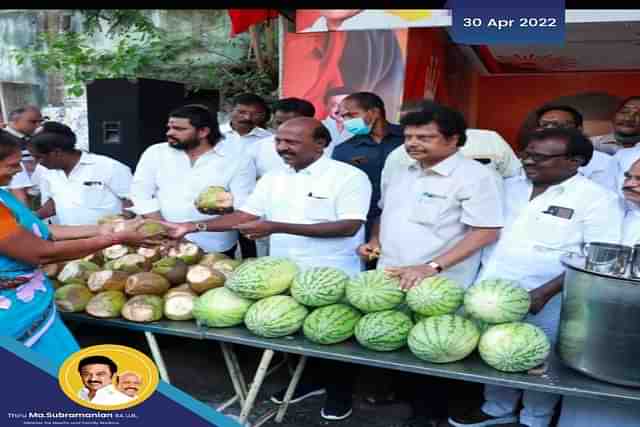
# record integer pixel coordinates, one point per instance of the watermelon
(497, 301)
(220, 308)
(262, 277)
(373, 291)
(320, 286)
(275, 316)
(514, 347)
(435, 295)
(443, 339)
(331, 324)
(384, 330)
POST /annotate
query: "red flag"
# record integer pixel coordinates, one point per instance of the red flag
(242, 19)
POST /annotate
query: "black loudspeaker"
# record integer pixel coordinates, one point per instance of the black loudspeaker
(127, 116)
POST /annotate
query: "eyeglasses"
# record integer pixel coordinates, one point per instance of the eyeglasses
(544, 124)
(539, 157)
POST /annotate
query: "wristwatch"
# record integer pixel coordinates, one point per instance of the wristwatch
(201, 226)
(437, 267)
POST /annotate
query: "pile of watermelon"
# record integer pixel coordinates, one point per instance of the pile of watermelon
(438, 320)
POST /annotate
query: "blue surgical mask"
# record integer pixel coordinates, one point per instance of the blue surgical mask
(357, 126)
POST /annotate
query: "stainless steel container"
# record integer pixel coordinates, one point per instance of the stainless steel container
(599, 332)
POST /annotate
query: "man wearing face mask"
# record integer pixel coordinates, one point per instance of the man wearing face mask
(626, 128)
(374, 139)
(333, 122)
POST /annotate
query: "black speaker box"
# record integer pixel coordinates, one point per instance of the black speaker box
(126, 116)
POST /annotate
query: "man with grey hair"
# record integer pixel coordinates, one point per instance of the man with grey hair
(23, 123)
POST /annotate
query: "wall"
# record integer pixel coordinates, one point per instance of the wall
(504, 102)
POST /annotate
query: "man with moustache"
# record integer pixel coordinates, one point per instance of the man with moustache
(602, 168)
(313, 212)
(626, 128)
(249, 116)
(550, 210)
(97, 374)
(170, 175)
(129, 383)
(582, 412)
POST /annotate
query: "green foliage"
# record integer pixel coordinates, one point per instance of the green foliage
(142, 50)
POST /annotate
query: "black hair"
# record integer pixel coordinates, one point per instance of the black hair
(450, 122)
(8, 145)
(200, 116)
(577, 116)
(250, 99)
(368, 101)
(101, 360)
(420, 105)
(321, 132)
(624, 101)
(54, 136)
(302, 107)
(335, 91)
(256, 100)
(576, 142)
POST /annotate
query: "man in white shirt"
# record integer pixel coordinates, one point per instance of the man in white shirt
(334, 122)
(23, 123)
(97, 378)
(170, 175)
(626, 128)
(249, 116)
(549, 211)
(485, 146)
(583, 412)
(602, 168)
(265, 156)
(438, 213)
(81, 187)
(313, 211)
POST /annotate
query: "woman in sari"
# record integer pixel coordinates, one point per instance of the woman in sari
(27, 309)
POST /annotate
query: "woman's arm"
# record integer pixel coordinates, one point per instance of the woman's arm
(26, 247)
(68, 232)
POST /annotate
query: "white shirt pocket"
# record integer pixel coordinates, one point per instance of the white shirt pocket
(96, 195)
(428, 208)
(319, 207)
(552, 231)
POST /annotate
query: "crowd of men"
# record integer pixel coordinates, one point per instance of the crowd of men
(425, 197)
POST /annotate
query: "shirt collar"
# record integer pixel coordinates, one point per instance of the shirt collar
(14, 132)
(444, 167)
(314, 169)
(86, 159)
(256, 131)
(108, 389)
(393, 130)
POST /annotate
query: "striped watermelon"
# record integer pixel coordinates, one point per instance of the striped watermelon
(331, 324)
(443, 339)
(275, 316)
(262, 277)
(372, 291)
(435, 295)
(220, 308)
(497, 301)
(319, 286)
(383, 330)
(514, 347)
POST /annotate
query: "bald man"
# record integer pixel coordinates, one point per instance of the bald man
(129, 383)
(313, 211)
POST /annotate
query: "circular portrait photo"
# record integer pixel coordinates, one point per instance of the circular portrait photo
(108, 377)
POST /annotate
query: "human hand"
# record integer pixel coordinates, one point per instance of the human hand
(410, 276)
(256, 229)
(539, 299)
(177, 230)
(369, 251)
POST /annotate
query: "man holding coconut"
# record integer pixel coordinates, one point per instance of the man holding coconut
(314, 212)
(171, 176)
